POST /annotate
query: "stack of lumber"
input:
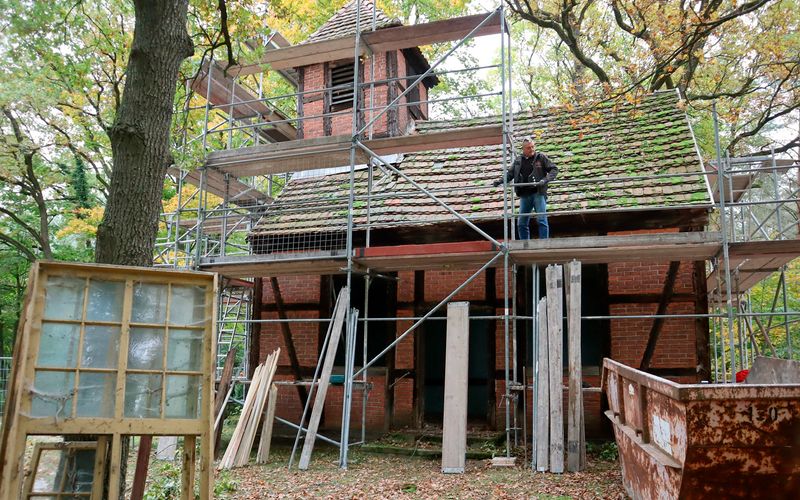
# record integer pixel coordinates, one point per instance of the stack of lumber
(238, 452)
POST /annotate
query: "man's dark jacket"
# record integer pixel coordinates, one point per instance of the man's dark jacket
(543, 170)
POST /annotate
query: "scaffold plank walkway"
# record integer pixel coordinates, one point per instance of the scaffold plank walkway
(334, 151)
(689, 246)
(750, 262)
(383, 40)
(232, 189)
(235, 100)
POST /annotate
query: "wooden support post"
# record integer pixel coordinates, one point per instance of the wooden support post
(555, 314)
(701, 325)
(222, 392)
(142, 463)
(490, 294)
(114, 469)
(655, 330)
(187, 474)
(575, 423)
(287, 340)
(99, 467)
(456, 380)
(419, 350)
(542, 425)
(391, 373)
(254, 356)
(266, 427)
(324, 379)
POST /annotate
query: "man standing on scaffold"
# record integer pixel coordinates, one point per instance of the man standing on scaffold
(531, 172)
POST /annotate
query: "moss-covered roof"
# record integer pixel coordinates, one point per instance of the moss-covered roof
(613, 147)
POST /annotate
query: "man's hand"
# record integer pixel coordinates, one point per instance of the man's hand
(498, 182)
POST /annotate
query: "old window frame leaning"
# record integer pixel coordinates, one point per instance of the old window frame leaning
(63, 357)
(67, 448)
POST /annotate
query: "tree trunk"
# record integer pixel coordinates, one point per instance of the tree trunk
(140, 135)
(140, 143)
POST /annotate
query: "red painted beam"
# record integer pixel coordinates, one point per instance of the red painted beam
(427, 249)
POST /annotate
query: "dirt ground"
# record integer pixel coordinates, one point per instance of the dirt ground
(384, 476)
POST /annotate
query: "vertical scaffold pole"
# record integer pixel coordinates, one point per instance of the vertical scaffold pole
(724, 229)
(507, 392)
(351, 197)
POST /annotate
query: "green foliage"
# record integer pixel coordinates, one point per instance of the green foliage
(606, 450)
(165, 483)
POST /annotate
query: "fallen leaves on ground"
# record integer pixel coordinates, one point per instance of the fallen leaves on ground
(381, 476)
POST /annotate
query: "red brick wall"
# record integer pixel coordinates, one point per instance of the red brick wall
(676, 343)
(675, 349)
(314, 79)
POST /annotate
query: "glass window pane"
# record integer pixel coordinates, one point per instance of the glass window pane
(47, 479)
(96, 394)
(149, 303)
(146, 349)
(185, 351)
(58, 345)
(80, 472)
(142, 396)
(52, 394)
(183, 396)
(105, 300)
(188, 305)
(100, 346)
(63, 298)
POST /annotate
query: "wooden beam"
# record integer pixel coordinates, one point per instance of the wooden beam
(541, 425)
(555, 312)
(701, 325)
(235, 100)
(324, 378)
(456, 381)
(142, 463)
(254, 355)
(419, 350)
(222, 393)
(288, 341)
(575, 425)
(655, 330)
(235, 190)
(382, 40)
(334, 151)
(265, 442)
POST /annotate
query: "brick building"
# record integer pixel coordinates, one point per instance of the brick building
(602, 145)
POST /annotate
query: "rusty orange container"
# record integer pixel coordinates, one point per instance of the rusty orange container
(704, 440)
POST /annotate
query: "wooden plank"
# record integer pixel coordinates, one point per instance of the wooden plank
(334, 151)
(266, 429)
(187, 472)
(572, 281)
(222, 392)
(382, 40)
(244, 450)
(247, 408)
(234, 99)
(99, 467)
(542, 395)
(237, 191)
(142, 463)
(426, 249)
(456, 378)
(555, 344)
(324, 378)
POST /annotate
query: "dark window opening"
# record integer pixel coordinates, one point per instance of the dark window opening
(382, 304)
(414, 110)
(342, 79)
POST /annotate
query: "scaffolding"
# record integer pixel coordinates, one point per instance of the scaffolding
(251, 145)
